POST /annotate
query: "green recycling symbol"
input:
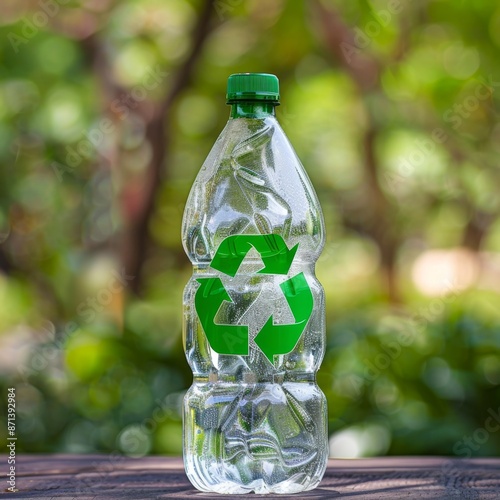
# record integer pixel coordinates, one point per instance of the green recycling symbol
(272, 339)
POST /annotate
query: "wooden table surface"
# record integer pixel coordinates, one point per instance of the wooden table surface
(86, 477)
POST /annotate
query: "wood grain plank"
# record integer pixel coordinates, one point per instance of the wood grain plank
(113, 477)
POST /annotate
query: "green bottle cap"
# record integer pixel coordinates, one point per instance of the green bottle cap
(253, 87)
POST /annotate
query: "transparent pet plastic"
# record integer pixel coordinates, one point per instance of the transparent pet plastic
(255, 421)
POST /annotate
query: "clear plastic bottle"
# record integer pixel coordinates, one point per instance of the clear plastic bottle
(254, 313)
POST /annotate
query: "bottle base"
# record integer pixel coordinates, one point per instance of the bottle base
(259, 487)
(262, 438)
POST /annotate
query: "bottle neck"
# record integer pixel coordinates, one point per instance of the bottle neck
(252, 109)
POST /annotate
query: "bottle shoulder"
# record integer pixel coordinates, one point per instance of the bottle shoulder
(252, 182)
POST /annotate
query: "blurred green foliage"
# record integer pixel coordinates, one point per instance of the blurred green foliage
(108, 108)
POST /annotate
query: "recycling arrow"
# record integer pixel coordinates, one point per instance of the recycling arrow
(272, 339)
(272, 248)
(281, 339)
(224, 339)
